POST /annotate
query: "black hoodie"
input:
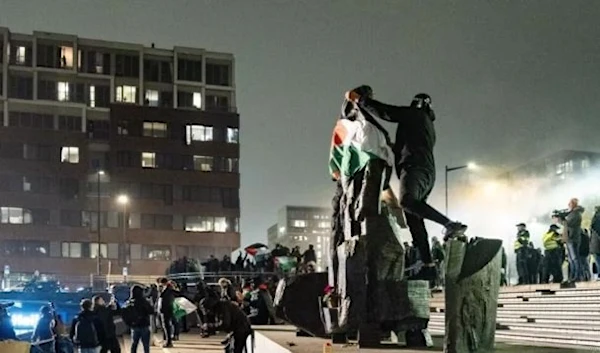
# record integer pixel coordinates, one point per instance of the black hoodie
(89, 315)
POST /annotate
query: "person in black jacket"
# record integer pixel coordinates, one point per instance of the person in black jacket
(106, 315)
(87, 330)
(44, 330)
(167, 299)
(230, 319)
(142, 312)
(415, 167)
(7, 330)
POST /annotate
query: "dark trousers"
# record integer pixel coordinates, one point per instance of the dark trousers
(415, 186)
(167, 325)
(553, 265)
(111, 345)
(140, 334)
(238, 342)
(176, 327)
(522, 269)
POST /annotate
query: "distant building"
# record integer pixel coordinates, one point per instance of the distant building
(561, 165)
(83, 121)
(302, 226)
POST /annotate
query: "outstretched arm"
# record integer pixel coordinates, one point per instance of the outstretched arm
(391, 113)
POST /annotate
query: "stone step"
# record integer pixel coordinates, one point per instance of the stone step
(538, 319)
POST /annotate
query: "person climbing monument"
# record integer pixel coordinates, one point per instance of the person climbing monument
(415, 167)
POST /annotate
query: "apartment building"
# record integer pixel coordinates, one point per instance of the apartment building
(303, 226)
(114, 156)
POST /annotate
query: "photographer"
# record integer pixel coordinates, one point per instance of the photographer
(571, 220)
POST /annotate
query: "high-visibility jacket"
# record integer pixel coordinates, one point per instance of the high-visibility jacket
(551, 240)
(522, 239)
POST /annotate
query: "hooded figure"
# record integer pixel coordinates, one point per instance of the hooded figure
(415, 167)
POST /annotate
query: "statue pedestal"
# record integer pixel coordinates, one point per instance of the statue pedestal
(472, 286)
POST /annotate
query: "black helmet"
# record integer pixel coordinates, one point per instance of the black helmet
(421, 100)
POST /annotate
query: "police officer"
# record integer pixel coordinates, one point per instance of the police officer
(521, 250)
(553, 254)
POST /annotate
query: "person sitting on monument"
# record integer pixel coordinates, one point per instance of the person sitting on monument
(415, 167)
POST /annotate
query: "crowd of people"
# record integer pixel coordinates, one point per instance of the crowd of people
(566, 246)
(296, 261)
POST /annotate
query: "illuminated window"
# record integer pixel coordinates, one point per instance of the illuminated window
(233, 135)
(20, 55)
(220, 224)
(15, 215)
(152, 98)
(63, 91)
(69, 155)
(66, 57)
(585, 163)
(72, 250)
(299, 223)
(198, 133)
(154, 129)
(197, 100)
(92, 96)
(148, 160)
(203, 163)
(94, 250)
(324, 224)
(126, 94)
(199, 224)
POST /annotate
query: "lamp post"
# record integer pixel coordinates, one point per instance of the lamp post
(99, 173)
(452, 169)
(123, 200)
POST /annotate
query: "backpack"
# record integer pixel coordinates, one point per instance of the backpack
(85, 332)
(130, 315)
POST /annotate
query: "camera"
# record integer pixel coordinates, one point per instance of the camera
(562, 214)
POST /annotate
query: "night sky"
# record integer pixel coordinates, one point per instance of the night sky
(510, 80)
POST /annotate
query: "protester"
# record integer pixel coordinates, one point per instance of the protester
(106, 315)
(166, 301)
(584, 255)
(227, 290)
(572, 237)
(595, 240)
(231, 320)
(44, 330)
(415, 167)
(86, 330)
(137, 314)
(438, 255)
(521, 250)
(553, 247)
(309, 255)
(534, 261)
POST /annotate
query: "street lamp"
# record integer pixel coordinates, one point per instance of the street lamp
(99, 173)
(123, 200)
(470, 165)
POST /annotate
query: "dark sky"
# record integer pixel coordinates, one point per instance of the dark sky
(509, 79)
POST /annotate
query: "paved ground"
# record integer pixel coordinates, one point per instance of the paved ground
(188, 343)
(295, 344)
(193, 343)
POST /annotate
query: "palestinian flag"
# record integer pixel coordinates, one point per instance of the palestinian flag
(256, 248)
(285, 263)
(354, 143)
(182, 307)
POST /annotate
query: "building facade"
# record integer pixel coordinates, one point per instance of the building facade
(85, 123)
(558, 166)
(303, 226)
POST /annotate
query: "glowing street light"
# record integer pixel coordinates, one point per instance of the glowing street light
(123, 199)
(470, 166)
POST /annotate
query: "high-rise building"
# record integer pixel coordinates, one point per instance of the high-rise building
(303, 226)
(558, 166)
(116, 150)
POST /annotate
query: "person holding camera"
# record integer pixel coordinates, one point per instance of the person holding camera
(571, 221)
